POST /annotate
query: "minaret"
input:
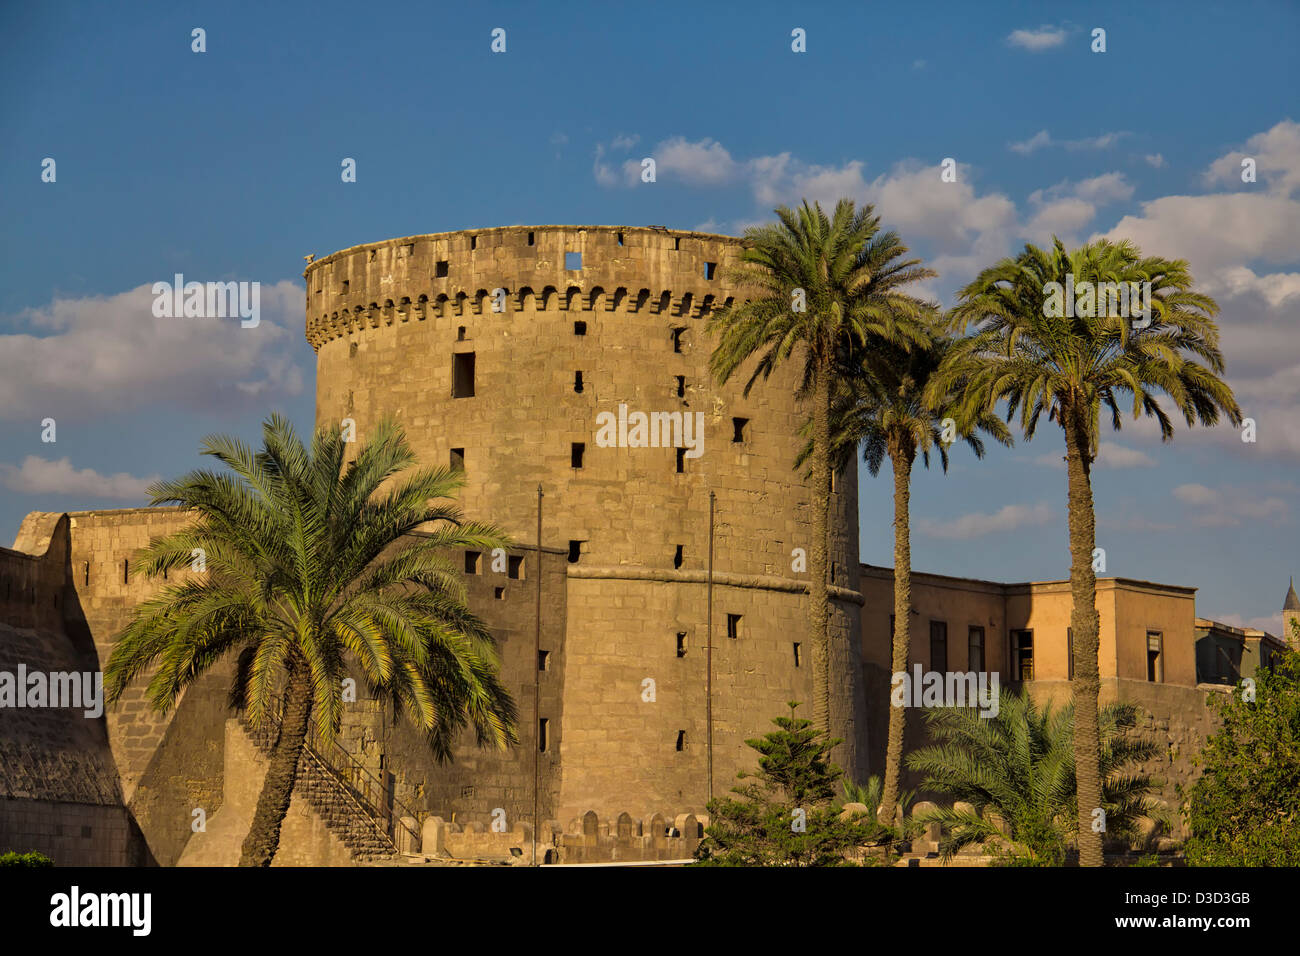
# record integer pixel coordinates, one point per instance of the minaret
(1291, 618)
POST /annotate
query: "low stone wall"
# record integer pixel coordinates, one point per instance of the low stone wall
(585, 840)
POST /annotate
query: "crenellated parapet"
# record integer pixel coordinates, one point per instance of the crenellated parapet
(517, 269)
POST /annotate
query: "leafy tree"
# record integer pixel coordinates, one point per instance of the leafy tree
(882, 407)
(818, 286)
(310, 568)
(1019, 766)
(1244, 810)
(785, 815)
(1037, 359)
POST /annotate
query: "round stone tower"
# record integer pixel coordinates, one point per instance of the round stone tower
(526, 355)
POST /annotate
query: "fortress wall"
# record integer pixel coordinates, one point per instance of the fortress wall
(481, 780)
(386, 343)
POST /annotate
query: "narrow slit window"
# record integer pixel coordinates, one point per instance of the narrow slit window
(678, 556)
(460, 333)
(681, 461)
(457, 461)
(473, 242)
(499, 593)
(575, 550)
(462, 385)
(472, 560)
(681, 643)
(677, 244)
(798, 660)
(543, 660)
(1155, 663)
(343, 289)
(515, 567)
(577, 382)
(543, 735)
(576, 451)
(709, 269)
(620, 238)
(531, 239)
(975, 649)
(738, 426)
(681, 740)
(733, 625)
(681, 386)
(126, 571)
(939, 646)
(677, 340)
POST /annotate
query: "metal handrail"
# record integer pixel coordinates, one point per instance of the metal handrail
(357, 782)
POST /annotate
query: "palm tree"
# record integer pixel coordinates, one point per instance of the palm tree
(308, 570)
(820, 285)
(1038, 358)
(1018, 765)
(883, 408)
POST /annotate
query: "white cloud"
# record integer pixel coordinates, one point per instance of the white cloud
(1043, 139)
(976, 524)
(1277, 158)
(110, 354)
(1229, 506)
(42, 476)
(1154, 159)
(1109, 455)
(1037, 40)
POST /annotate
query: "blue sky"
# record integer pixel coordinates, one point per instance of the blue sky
(225, 165)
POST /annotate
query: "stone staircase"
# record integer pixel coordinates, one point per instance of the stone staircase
(348, 814)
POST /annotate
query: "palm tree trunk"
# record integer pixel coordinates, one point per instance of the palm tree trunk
(818, 596)
(902, 460)
(1084, 625)
(273, 804)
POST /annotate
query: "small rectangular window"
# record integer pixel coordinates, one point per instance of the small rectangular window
(579, 328)
(939, 646)
(575, 550)
(573, 261)
(677, 340)
(576, 451)
(473, 242)
(515, 567)
(975, 649)
(441, 269)
(472, 561)
(577, 382)
(543, 735)
(126, 572)
(677, 556)
(462, 382)
(457, 462)
(343, 290)
(681, 386)
(1155, 663)
(681, 461)
(709, 269)
(1022, 655)
(681, 643)
(677, 244)
(460, 333)
(733, 625)
(681, 740)
(1069, 651)
(499, 593)
(620, 238)
(543, 660)
(798, 661)
(738, 430)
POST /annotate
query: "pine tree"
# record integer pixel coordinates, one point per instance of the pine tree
(785, 815)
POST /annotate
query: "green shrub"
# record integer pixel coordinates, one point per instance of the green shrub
(13, 858)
